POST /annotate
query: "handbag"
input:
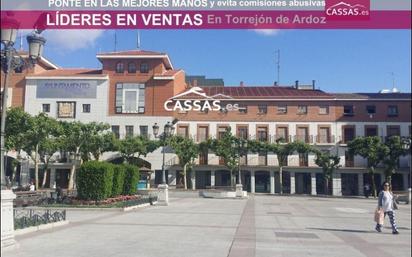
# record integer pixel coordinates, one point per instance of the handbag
(379, 216)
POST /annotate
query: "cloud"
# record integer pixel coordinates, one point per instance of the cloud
(72, 40)
(267, 32)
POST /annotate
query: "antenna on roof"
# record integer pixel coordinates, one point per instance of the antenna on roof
(115, 41)
(278, 66)
(138, 39)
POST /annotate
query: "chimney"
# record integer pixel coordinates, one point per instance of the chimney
(313, 84)
(194, 83)
(241, 84)
(296, 83)
(275, 84)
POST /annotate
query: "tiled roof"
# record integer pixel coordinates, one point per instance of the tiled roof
(371, 96)
(132, 52)
(169, 73)
(261, 92)
(69, 73)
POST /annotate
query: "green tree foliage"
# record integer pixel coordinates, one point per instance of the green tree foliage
(17, 125)
(329, 163)
(95, 180)
(42, 128)
(134, 147)
(187, 151)
(81, 139)
(47, 149)
(282, 151)
(373, 150)
(225, 147)
(394, 148)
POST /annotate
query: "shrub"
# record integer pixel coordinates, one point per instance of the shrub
(95, 180)
(131, 179)
(118, 180)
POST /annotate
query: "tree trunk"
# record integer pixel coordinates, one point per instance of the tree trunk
(44, 178)
(36, 167)
(372, 173)
(184, 176)
(73, 171)
(326, 186)
(280, 179)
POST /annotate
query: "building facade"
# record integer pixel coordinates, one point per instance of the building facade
(136, 89)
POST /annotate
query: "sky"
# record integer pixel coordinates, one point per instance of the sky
(339, 60)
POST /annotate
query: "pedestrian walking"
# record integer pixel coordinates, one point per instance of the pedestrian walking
(386, 205)
(367, 190)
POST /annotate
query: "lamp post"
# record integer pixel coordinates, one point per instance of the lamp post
(167, 132)
(11, 60)
(241, 147)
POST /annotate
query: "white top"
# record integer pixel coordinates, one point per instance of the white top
(32, 187)
(387, 201)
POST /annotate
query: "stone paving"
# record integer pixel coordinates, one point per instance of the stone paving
(261, 226)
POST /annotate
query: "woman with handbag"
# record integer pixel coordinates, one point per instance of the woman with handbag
(386, 204)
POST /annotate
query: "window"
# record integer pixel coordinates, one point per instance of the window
(302, 134)
(282, 134)
(119, 67)
(86, 108)
(349, 159)
(130, 98)
(302, 109)
(66, 109)
(129, 131)
(392, 110)
(282, 109)
(131, 67)
(323, 109)
(262, 134)
(144, 131)
(202, 133)
(348, 110)
(324, 135)
(183, 131)
(393, 131)
(116, 131)
(348, 134)
(303, 159)
(46, 107)
(371, 131)
(242, 132)
(242, 108)
(371, 109)
(144, 68)
(203, 157)
(221, 131)
(262, 109)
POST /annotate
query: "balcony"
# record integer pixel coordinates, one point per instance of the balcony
(303, 138)
(325, 140)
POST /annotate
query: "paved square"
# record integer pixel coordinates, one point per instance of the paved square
(262, 226)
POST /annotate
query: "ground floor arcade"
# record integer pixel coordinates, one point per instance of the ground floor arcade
(295, 180)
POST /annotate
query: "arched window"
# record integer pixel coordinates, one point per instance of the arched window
(131, 68)
(144, 68)
(119, 67)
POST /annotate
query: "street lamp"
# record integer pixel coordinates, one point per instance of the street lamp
(241, 148)
(11, 60)
(167, 132)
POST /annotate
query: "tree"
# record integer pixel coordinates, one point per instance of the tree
(77, 137)
(42, 127)
(282, 152)
(373, 150)
(394, 148)
(187, 151)
(329, 163)
(224, 148)
(47, 148)
(133, 147)
(17, 125)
